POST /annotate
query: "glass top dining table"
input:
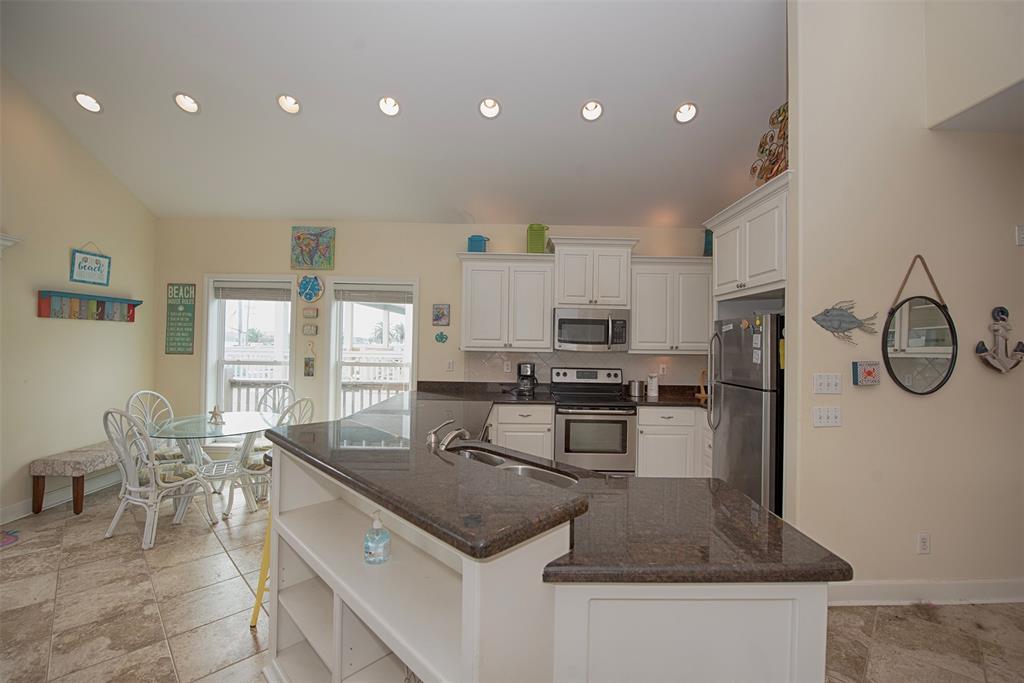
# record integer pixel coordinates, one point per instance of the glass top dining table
(190, 431)
(199, 426)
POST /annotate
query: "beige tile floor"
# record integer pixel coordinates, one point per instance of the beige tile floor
(77, 607)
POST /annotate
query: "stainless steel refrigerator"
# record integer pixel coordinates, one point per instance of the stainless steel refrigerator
(745, 406)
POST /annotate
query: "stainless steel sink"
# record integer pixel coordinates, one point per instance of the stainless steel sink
(539, 474)
(480, 456)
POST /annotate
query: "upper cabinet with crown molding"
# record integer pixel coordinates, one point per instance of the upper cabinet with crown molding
(592, 272)
(506, 301)
(749, 254)
(671, 312)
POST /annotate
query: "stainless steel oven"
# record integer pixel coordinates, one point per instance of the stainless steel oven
(591, 329)
(596, 437)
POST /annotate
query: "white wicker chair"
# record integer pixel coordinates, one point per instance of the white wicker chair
(148, 481)
(152, 409)
(276, 399)
(299, 412)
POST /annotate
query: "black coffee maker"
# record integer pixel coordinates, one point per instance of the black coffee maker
(527, 377)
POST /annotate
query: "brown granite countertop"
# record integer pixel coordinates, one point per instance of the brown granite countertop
(669, 396)
(381, 454)
(647, 530)
(625, 529)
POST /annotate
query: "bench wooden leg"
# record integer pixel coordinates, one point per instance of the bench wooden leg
(38, 491)
(77, 493)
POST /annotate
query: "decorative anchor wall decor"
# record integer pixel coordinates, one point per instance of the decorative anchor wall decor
(1000, 357)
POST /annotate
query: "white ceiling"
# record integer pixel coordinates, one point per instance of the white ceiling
(439, 160)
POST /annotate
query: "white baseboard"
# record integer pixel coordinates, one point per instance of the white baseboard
(938, 592)
(59, 495)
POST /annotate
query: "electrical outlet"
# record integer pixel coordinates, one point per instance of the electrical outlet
(924, 543)
(507, 366)
(827, 383)
(451, 366)
(1020, 235)
(826, 416)
(662, 370)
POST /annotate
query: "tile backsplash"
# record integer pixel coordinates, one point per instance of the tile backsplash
(484, 366)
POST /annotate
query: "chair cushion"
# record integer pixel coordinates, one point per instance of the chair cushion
(169, 474)
(168, 453)
(77, 462)
(262, 445)
(256, 464)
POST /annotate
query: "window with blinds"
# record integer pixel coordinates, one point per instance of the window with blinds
(374, 339)
(250, 340)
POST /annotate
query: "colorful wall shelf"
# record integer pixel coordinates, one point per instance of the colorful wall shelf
(83, 306)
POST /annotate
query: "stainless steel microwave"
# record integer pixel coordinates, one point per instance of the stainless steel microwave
(591, 329)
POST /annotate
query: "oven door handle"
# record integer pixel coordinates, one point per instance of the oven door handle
(582, 411)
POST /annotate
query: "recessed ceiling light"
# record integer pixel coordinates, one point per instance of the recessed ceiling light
(88, 102)
(686, 112)
(289, 104)
(388, 105)
(489, 108)
(186, 103)
(591, 110)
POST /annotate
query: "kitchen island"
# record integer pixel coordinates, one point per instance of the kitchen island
(499, 577)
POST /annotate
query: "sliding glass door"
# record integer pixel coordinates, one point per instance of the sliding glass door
(373, 348)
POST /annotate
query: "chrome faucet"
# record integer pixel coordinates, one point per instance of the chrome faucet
(432, 434)
(460, 433)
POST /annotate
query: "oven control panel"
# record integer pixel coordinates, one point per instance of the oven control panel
(586, 375)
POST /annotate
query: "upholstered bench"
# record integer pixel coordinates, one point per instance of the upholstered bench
(75, 464)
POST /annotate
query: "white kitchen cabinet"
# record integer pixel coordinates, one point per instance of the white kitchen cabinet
(749, 241)
(671, 311)
(666, 452)
(592, 272)
(526, 428)
(667, 443)
(506, 301)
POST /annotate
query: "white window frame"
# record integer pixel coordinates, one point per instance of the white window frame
(215, 329)
(330, 399)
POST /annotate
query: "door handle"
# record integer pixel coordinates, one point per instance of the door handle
(711, 380)
(609, 331)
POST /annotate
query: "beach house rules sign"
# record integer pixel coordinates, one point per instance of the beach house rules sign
(181, 318)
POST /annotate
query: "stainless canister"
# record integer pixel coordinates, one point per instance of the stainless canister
(636, 388)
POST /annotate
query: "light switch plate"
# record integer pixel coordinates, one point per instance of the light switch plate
(826, 416)
(1020, 235)
(827, 383)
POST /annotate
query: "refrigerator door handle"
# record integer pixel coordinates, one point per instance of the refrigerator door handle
(711, 381)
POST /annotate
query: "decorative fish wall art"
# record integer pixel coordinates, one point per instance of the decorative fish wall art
(840, 321)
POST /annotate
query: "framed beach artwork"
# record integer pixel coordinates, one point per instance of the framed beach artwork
(90, 267)
(441, 315)
(312, 248)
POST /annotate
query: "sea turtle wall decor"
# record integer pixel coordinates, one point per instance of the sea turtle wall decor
(840, 321)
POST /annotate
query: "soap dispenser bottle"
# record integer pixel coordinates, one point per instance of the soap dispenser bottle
(377, 542)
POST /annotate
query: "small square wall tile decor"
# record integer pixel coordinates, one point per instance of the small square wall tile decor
(866, 372)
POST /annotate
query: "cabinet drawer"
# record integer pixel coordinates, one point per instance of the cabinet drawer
(526, 414)
(667, 417)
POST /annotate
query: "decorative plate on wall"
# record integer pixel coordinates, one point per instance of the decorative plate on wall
(311, 288)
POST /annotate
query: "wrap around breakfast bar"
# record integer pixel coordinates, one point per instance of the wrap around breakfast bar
(508, 567)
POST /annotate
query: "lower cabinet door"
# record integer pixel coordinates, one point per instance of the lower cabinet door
(666, 452)
(532, 439)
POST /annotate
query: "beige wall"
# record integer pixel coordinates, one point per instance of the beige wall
(974, 49)
(60, 375)
(873, 186)
(190, 249)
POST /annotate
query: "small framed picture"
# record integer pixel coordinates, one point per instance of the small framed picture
(310, 312)
(309, 330)
(441, 315)
(308, 366)
(90, 268)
